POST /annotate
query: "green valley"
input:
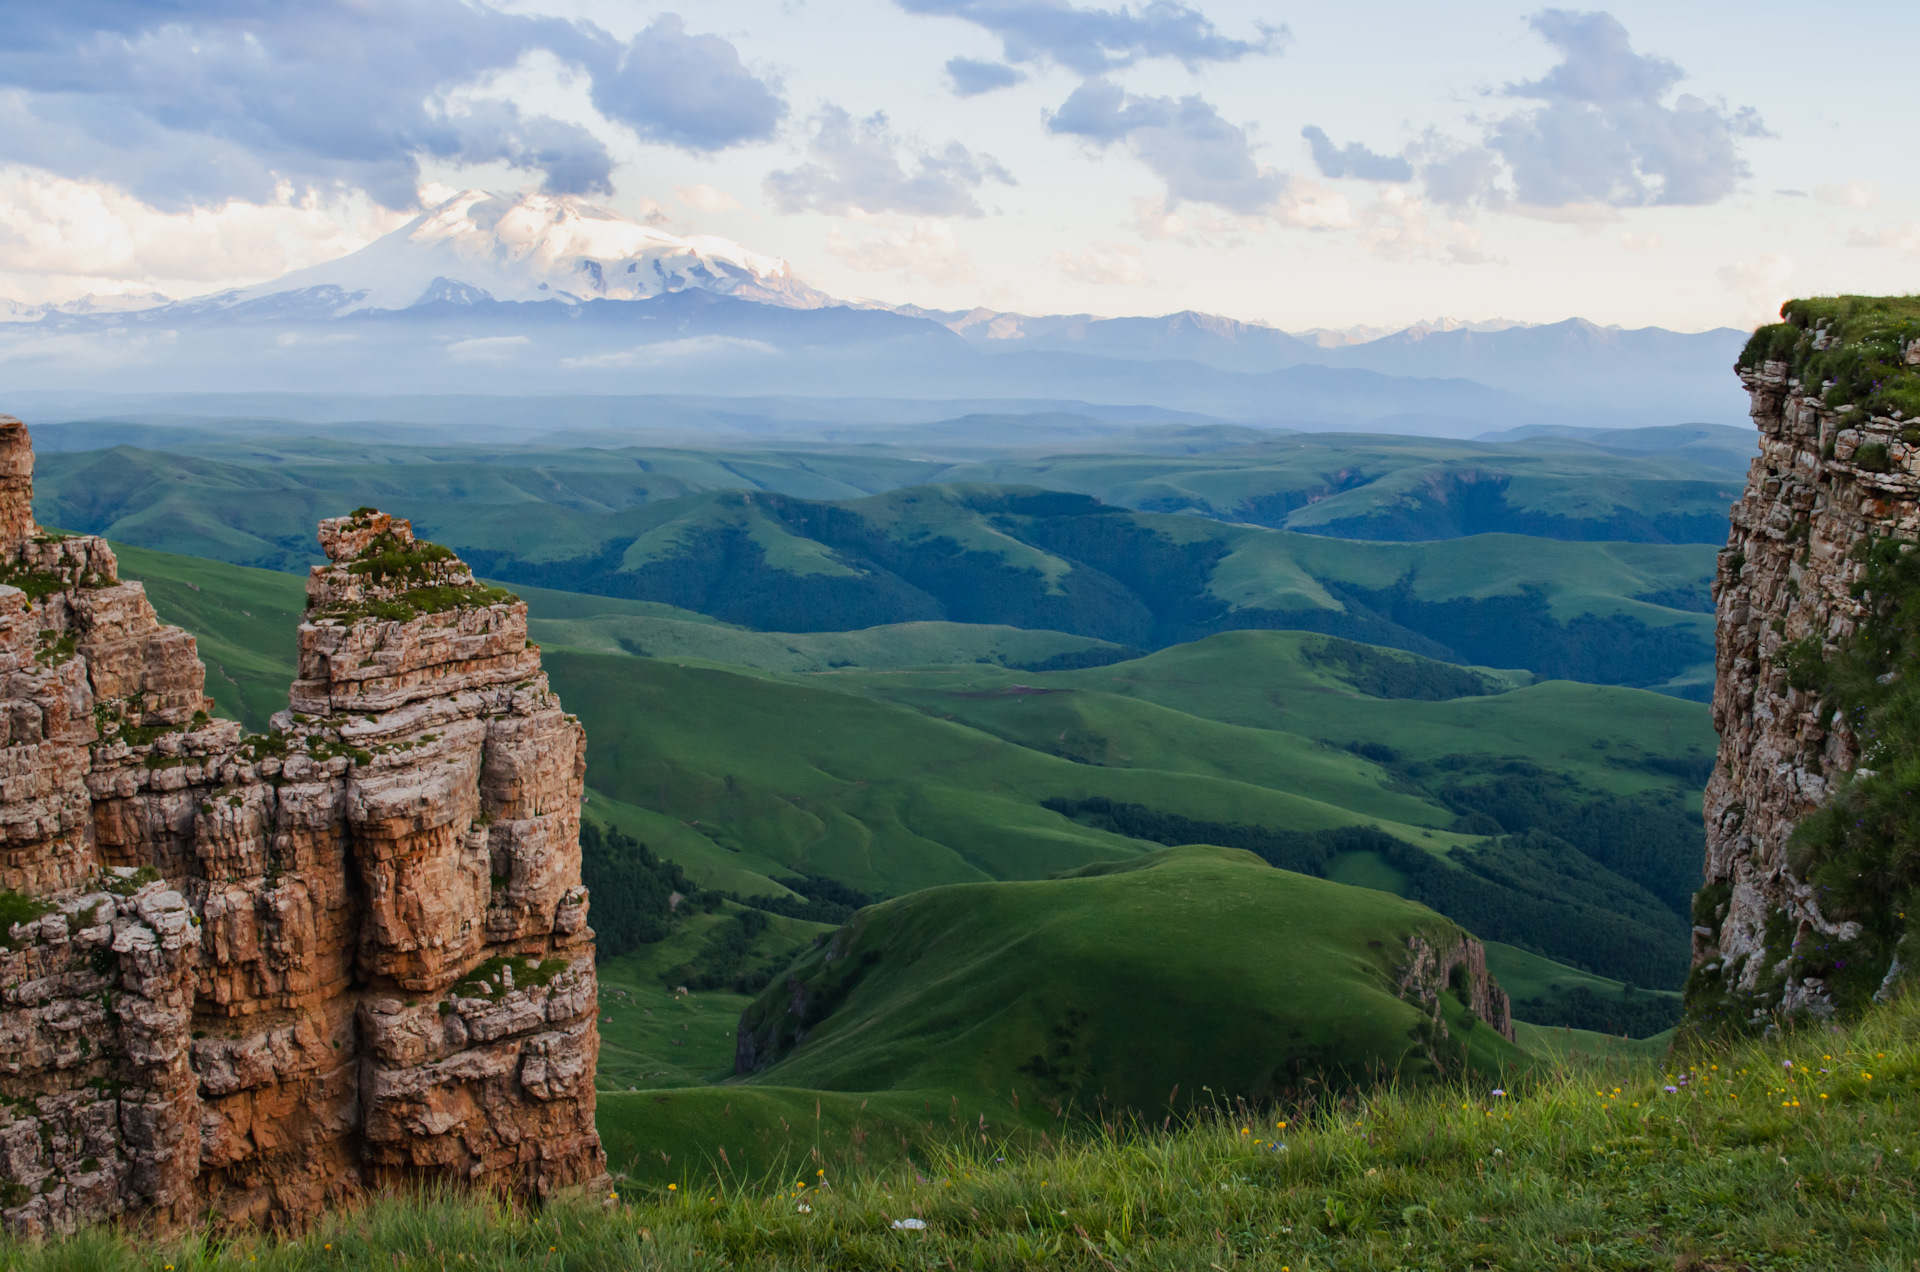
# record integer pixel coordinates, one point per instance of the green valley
(1554, 816)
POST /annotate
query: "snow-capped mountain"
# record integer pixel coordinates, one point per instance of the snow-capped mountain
(535, 247)
(127, 303)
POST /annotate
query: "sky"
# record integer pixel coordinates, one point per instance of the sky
(1329, 165)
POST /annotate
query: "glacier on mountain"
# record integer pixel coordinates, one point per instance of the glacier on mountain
(483, 246)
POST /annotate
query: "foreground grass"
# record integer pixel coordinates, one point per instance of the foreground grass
(1796, 1153)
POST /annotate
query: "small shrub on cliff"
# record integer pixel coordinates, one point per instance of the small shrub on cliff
(1863, 361)
(1862, 848)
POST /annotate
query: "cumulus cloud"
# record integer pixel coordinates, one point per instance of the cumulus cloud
(1904, 239)
(1762, 285)
(186, 105)
(1399, 227)
(1852, 194)
(1106, 263)
(1184, 141)
(854, 165)
(922, 248)
(685, 90)
(1354, 159)
(704, 198)
(970, 77)
(1091, 41)
(61, 238)
(1603, 134)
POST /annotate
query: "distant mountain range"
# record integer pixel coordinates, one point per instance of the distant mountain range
(549, 295)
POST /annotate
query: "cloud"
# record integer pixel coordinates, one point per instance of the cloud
(1199, 155)
(971, 77)
(854, 166)
(1763, 284)
(704, 198)
(1904, 239)
(666, 352)
(487, 348)
(923, 249)
(1354, 159)
(1398, 228)
(686, 90)
(192, 104)
(1648, 242)
(1853, 194)
(1092, 41)
(1105, 263)
(61, 238)
(1603, 135)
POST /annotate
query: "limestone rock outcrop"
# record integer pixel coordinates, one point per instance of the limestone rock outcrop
(1761, 941)
(1458, 965)
(248, 976)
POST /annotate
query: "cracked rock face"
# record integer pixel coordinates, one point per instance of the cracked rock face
(258, 975)
(1784, 577)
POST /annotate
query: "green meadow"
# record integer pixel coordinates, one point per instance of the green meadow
(1796, 1151)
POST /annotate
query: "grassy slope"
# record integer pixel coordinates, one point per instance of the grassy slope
(891, 646)
(1747, 1166)
(1197, 969)
(653, 1037)
(882, 796)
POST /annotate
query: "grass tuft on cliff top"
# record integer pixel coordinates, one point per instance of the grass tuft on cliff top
(1864, 362)
(1795, 1152)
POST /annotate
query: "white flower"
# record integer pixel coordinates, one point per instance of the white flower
(804, 1208)
(912, 1225)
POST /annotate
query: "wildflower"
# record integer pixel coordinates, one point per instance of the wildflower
(1786, 1064)
(804, 1208)
(551, 1249)
(1244, 1131)
(911, 1225)
(1671, 1090)
(1497, 1091)
(673, 1188)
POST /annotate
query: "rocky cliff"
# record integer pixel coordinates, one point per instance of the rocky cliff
(1839, 467)
(248, 976)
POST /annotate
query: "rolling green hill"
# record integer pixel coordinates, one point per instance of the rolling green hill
(787, 541)
(1653, 485)
(1022, 557)
(1143, 987)
(890, 780)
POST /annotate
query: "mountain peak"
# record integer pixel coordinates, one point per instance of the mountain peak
(539, 247)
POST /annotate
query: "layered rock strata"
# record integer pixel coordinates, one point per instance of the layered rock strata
(248, 976)
(1762, 945)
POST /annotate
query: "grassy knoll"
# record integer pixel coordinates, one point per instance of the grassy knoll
(1139, 986)
(1748, 1163)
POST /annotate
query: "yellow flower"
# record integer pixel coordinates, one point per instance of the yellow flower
(673, 1188)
